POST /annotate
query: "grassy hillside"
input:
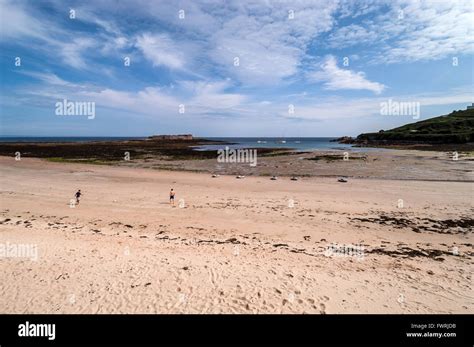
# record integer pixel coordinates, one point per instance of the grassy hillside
(456, 127)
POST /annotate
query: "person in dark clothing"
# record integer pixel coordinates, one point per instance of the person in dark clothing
(172, 196)
(78, 196)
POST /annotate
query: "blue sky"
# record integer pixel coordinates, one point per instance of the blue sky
(240, 68)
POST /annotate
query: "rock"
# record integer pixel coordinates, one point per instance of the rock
(344, 139)
(186, 137)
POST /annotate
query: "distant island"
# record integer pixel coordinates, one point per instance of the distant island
(454, 131)
(184, 137)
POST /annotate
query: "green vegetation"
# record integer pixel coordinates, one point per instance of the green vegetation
(454, 128)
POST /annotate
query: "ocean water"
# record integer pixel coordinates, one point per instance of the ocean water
(295, 143)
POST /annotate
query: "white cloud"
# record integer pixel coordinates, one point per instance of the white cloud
(352, 34)
(213, 96)
(16, 22)
(273, 50)
(412, 31)
(48, 78)
(433, 30)
(339, 108)
(335, 78)
(36, 32)
(203, 98)
(212, 99)
(269, 45)
(161, 50)
(357, 8)
(72, 52)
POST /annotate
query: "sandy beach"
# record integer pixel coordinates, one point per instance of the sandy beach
(230, 246)
(375, 164)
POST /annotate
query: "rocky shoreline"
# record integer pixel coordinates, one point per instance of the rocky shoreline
(407, 145)
(451, 132)
(165, 147)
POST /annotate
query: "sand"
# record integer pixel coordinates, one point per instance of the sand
(379, 164)
(230, 246)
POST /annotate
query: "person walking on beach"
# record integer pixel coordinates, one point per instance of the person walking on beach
(78, 196)
(172, 197)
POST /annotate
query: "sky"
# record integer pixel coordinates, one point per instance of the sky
(231, 68)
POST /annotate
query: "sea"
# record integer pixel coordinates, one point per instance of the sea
(295, 143)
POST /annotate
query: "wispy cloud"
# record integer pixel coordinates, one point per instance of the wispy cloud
(161, 50)
(17, 23)
(236, 60)
(410, 30)
(335, 78)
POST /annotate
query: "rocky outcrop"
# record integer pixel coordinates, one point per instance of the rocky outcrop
(185, 137)
(344, 139)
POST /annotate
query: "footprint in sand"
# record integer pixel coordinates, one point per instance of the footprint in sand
(322, 308)
(322, 305)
